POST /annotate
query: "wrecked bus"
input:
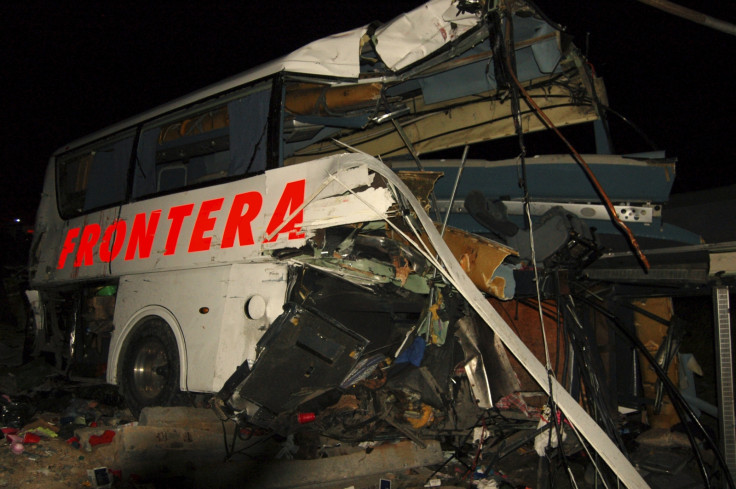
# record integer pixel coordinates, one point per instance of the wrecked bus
(268, 240)
(176, 199)
(177, 220)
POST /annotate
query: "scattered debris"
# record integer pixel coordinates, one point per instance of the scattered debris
(341, 334)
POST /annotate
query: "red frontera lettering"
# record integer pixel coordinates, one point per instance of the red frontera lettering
(238, 223)
(176, 216)
(95, 245)
(142, 235)
(291, 199)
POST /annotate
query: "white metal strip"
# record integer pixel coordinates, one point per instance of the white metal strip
(727, 418)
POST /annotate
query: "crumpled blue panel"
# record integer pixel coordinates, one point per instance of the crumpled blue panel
(414, 353)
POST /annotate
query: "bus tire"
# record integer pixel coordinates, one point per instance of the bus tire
(150, 366)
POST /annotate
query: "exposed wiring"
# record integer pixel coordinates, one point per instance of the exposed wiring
(678, 402)
(590, 456)
(229, 449)
(480, 449)
(558, 318)
(578, 157)
(589, 373)
(509, 57)
(544, 17)
(457, 449)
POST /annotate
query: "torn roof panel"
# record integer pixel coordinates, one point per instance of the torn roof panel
(426, 38)
(335, 55)
(538, 60)
(417, 34)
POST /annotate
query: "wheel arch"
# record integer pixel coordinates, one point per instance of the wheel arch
(117, 349)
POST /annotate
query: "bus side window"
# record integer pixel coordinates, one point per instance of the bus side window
(72, 174)
(94, 178)
(203, 146)
(144, 180)
(249, 133)
(108, 176)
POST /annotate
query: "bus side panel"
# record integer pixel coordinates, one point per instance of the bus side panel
(218, 225)
(77, 250)
(222, 224)
(177, 297)
(185, 229)
(208, 305)
(46, 230)
(255, 298)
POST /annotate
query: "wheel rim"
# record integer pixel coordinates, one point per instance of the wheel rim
(150, 369)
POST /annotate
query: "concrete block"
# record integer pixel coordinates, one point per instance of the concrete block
(323, 473)
(187, 418)
(150, 450)
(189, 442)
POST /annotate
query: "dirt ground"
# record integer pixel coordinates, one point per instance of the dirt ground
(33, 395)
(52, 464)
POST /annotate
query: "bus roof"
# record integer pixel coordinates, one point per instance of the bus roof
(400, 43)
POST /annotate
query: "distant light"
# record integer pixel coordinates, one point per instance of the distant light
(17, 219)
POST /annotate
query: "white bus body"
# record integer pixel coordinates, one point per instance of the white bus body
(167, 246)
(173, 203)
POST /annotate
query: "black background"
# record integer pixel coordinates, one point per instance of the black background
(69, 70)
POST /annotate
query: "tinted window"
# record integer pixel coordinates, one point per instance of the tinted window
(94, 177)
(204, 145)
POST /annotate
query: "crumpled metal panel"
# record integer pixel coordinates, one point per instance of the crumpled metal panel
(333, 352)
(480, 258)
(421, 183)
(308, 352)
(486, 363)
(336, 55)
(403, 41)
(585, 425)
(412, 36)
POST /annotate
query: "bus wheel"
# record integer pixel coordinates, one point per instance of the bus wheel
(150, 366)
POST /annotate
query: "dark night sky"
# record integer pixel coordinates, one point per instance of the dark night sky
(68, 70)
